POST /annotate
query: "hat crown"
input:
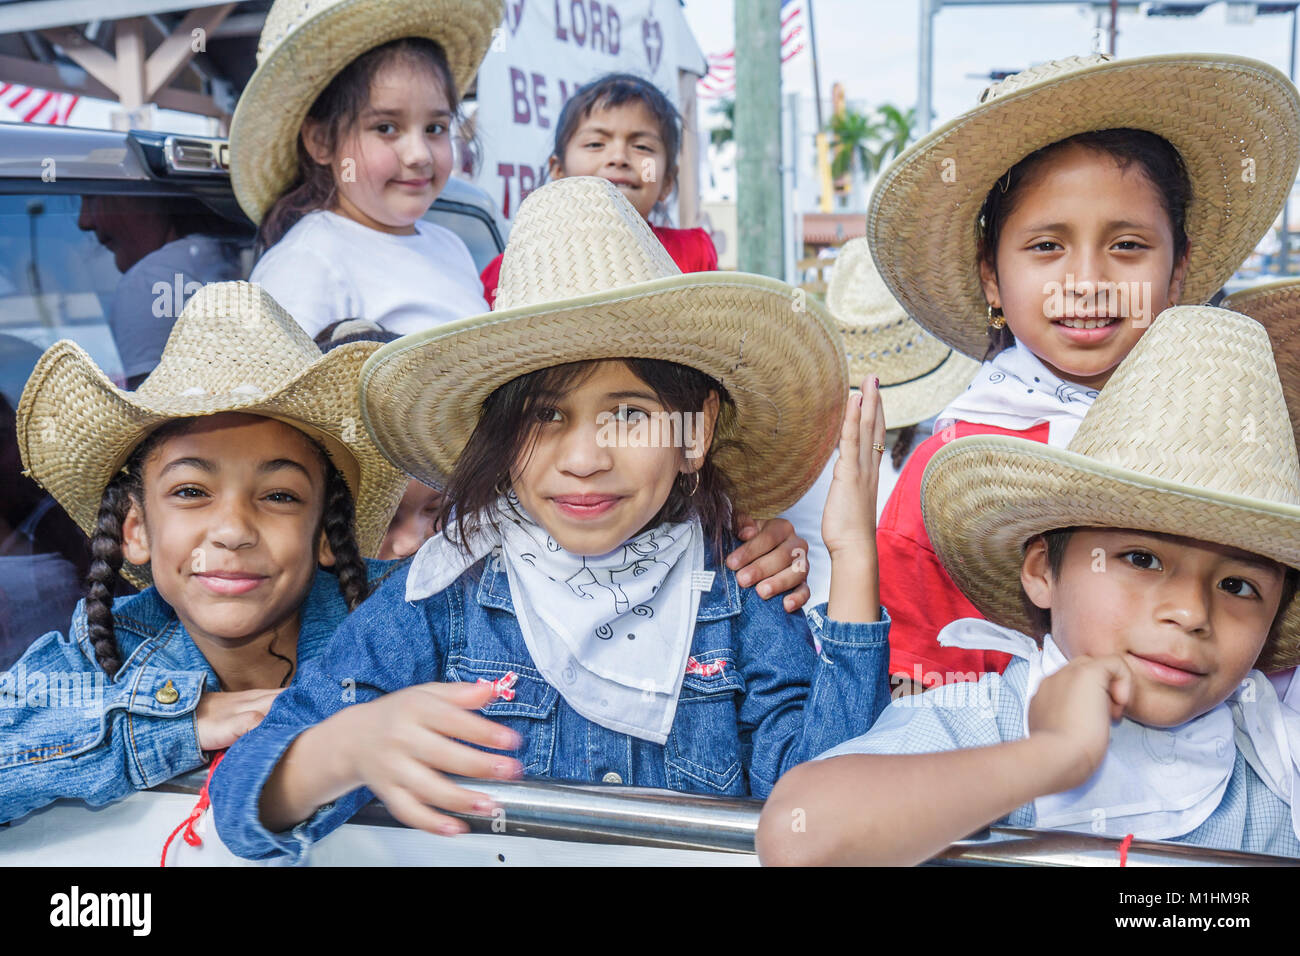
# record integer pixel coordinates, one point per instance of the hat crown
(1051, 70)
(1198, 402)
(574, 237)
(284, 17)
(231, 338)
(857, 295)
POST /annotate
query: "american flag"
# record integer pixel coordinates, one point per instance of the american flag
(721, 78)
(27, 104)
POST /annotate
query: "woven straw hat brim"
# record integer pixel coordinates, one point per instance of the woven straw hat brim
(984, 497)
(925, 391)
(1216, 110)
(76, 429)
(264, 130)
(785, 370)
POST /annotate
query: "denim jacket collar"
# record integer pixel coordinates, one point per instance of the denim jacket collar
(145, 621)
(722, 600)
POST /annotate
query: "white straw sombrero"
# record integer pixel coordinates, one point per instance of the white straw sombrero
(303, 46)
(233, 349)
(1235, 122)
(1190, 437)
(919, 375)
(584, 278)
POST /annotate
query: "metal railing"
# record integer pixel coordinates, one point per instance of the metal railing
(643, 817)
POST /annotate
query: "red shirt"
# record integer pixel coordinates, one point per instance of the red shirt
(691, 249)
(922, 599)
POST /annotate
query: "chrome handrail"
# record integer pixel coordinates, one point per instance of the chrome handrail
(640, 816)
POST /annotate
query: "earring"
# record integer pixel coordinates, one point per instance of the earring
(996, 321)
(695, 487)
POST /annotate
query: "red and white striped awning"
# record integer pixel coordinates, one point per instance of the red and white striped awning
(27, 104)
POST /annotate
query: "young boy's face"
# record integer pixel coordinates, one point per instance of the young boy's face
(1187, 617)
(622, 144)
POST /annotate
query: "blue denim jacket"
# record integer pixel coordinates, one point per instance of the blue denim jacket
(775, 703)
(68, 730)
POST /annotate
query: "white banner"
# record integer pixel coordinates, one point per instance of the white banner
(544, 51)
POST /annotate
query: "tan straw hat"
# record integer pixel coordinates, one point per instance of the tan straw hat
(919, 375)
(584, 278)
(233, 349)
(1190, 437)
(304, 45)
(1276, 306)
(1235, 122)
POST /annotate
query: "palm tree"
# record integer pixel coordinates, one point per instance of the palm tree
(725, 132)
(851, 133)
(893, 133)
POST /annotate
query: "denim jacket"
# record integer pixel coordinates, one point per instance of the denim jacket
(68, 730)
(773, 704)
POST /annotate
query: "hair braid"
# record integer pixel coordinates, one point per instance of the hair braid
(105, 563)
(339, 520)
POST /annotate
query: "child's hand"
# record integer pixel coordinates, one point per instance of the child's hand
(774, 558)
(849, 521)
(1076, 707)
(402, 745)
(221, 718)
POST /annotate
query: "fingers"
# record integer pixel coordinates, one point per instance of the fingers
(797, 598)
(746, 527)
(1119, 686)
(413, 813)
(871, 426)
(768, 535)
(850, 432)
(447, 716)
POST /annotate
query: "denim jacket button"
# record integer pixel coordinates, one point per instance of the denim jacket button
(612, 777)
(167, 694)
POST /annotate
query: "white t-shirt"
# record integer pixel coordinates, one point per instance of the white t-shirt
(329, 267)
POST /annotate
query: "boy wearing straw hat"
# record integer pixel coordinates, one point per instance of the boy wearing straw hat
(1154, 559)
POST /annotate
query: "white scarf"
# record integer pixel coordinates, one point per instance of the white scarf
(612, 633)
(1153, 782)
(1015, 390)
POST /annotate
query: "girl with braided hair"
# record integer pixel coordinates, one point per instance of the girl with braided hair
(238, 489)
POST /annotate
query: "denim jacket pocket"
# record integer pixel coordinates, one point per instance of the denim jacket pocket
(703, 748)
(525, 704)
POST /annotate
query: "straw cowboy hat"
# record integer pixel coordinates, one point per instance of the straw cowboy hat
(919, 375)
(1235, 122)
(233, 349)
(304, 45)
(584, 278)
(1165, 448)
(1276, 306)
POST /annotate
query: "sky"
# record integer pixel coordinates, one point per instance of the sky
(871, 46)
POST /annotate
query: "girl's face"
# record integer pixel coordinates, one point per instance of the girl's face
(231, 528)
(603, 459)
(621, 144)
(395, 161)
(1085, 261)
(413, 524)
(1187, 617)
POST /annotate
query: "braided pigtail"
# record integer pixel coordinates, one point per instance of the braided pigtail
(339, 521)
(105, 563)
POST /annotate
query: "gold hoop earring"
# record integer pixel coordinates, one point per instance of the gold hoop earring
(996, 321)
(695, 487)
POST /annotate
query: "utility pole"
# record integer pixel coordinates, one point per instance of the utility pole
(759, 214)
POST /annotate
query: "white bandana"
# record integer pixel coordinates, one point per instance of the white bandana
(1015, 390)
(612, 633)
(1158, 783)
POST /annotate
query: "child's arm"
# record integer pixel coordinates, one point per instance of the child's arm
(849, 521)
(366, 714)
(895, 809)
(67, 730)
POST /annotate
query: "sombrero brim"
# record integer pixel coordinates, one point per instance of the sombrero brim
(1276, 306)
(421, 396)
(76, 429)
(1235, 121)
(984, 497)
(928, 383)
(269, 115)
